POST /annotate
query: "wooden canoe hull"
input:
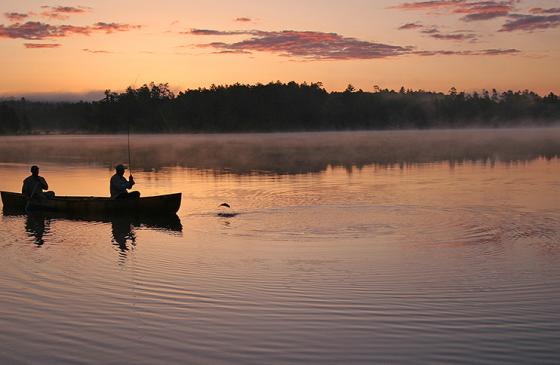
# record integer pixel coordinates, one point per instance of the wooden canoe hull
(84, 206)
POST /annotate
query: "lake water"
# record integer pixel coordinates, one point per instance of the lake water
(338, 248)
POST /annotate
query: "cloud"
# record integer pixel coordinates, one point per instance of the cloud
(498, 52)
(540, 18)
(409, 26)
(429, 5)
(308, 45)
(41, 45)
(196, 31)
(16, 17)
(30, 30)
(243, 19)
(434, 32)
(95, 51)
(431, 30)
(62, 12)
(50, 12)
(473, 10)
(530, 23)
(113, 27)
(232, 52)
(484, 52)
(485, 10)
(455, 36)
(319, 46)
(544, 11)
(37, 30)
(474, 17)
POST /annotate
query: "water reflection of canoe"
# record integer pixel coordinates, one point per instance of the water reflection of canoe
(84, 206)
(167, 222)
(38, 223)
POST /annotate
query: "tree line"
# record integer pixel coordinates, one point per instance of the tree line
(276, 106)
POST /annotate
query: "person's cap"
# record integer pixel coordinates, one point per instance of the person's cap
(120, 167)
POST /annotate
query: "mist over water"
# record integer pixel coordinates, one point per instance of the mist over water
(289, 152)
(354, 247)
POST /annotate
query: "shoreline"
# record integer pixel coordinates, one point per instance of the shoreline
(318, 131)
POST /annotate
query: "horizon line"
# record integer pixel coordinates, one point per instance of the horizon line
(95, 95)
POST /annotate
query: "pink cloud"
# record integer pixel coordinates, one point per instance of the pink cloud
(196, 31)
(16, 17)
(530, 23)
(409, 26)
(62, 12)
(30, 30)
(38, 30)
(41, 45)
(95, 51)
(544, 11)
(309, 45)
(498, 52)
(454, 36)
(484, 52)
(485, 10)
(319, 46)
(113, 27)
(435, 33)
(232, 52)
(473, 10)
(429, 5)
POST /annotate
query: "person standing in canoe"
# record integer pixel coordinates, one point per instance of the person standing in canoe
(119, 185)
(34, 185)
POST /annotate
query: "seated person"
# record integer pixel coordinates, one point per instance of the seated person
(34, 185)
(119, 185)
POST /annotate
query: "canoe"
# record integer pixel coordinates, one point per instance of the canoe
(89, 205)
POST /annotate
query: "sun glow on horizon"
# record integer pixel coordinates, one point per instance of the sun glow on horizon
(95, 45)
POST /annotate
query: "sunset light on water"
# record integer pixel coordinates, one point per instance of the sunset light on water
(260, 182)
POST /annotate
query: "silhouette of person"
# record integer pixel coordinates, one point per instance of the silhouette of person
(119, 185)
(34, 185)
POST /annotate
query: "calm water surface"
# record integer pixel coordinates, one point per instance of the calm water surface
(366, 247)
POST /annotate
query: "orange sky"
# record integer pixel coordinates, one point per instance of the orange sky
(94, 45)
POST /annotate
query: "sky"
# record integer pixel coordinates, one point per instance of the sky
(69, 49)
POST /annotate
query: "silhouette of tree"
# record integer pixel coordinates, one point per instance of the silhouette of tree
(276, 106)
(9, 120)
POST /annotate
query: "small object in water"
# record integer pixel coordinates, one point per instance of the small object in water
(224, 205)
(227, 215)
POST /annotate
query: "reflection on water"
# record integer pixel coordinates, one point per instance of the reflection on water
(123, 234)
(36, 225)
(410, 253)
(289, 153)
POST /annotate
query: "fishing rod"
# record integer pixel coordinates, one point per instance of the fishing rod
(128, 138)
(128, 133)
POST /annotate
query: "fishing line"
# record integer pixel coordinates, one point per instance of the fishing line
(128, 132)
(129, 160)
